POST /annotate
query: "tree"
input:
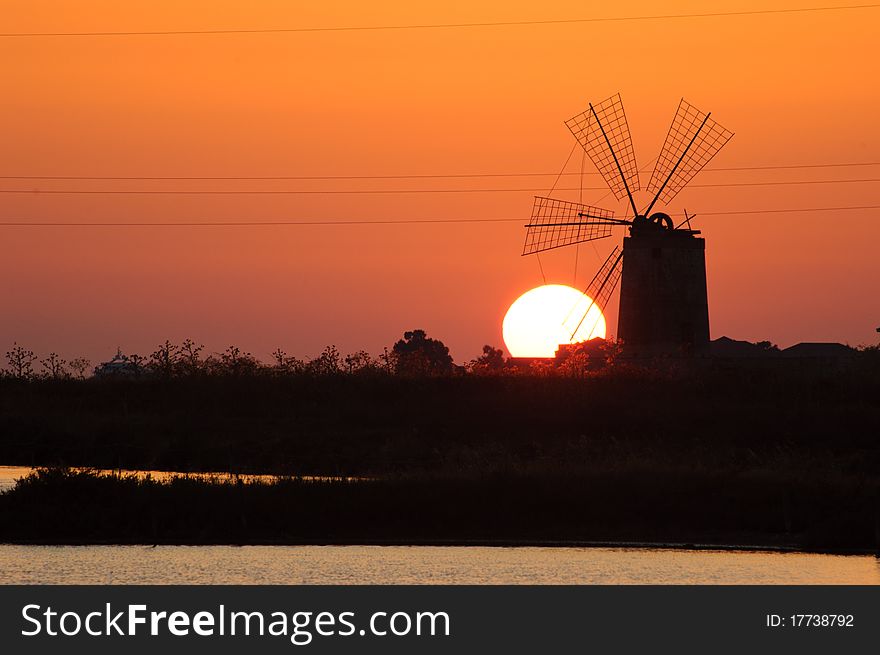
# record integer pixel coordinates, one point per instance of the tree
(491, 362)
(327, 363)
(419, 355)
(164, 359)
(286, 364)
(136, 363)
(358, 362)
(189, 357)
(577, 361)
(79, 366)
(54, 367)
(387, 361)
(20, 362)
(542, 368)
(235, 362)
(612, 350)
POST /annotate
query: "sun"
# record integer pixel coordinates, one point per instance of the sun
(545, 317)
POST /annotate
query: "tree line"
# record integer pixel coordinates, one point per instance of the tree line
(416, 354)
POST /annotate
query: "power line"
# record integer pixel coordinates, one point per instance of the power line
(405, 221)
(792, 166)
(785, 183)
(227, 192)
(368, 28)
(269, 178)
(236, 192)
(789, 211)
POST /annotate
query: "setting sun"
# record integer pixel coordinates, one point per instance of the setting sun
(545, 317)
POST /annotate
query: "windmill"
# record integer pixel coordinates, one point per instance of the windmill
(662, 266)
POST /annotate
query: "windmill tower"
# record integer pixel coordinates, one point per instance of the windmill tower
(664, 308)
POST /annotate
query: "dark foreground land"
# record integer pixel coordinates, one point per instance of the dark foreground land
(787, 456)
(633, 506)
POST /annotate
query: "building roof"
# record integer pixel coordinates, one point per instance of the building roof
(119, 363)
(727, 347)
(817, 349)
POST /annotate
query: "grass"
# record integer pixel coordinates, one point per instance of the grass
(385, 425)
(678, 506)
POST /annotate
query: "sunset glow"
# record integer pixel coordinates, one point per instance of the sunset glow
(487, 101)
(545, 317)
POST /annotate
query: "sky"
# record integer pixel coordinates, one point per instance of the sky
(796, 88)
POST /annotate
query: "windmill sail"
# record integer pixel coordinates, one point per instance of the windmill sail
(600, 289)
(604, 134)
(557, 223)
(692, 141)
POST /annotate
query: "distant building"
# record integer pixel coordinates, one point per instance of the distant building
(119, 366)
(725, 347)
(724, 352)
(731, 353)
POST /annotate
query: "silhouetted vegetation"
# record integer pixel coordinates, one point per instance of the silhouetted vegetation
(419, 356)
(21, 363)
(589, 447)
(633, 504)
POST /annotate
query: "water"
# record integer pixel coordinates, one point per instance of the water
(421, 565)
(9, 474)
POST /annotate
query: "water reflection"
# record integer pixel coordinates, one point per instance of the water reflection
(421, 565)
(9, 474)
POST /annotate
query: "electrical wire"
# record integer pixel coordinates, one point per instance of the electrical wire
(270, 178)
(239, 192)
(349, 223)
(434, 26)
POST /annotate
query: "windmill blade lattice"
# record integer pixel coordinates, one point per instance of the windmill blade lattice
(604, 134)
(600, 289)
(692, 141)
(557, 223)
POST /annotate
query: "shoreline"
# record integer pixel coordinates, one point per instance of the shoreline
(482, 543)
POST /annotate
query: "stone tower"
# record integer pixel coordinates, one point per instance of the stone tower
(664, 308)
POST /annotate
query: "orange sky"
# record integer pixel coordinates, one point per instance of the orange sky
(796, 89)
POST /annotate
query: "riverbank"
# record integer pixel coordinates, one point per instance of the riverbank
(677, 509)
